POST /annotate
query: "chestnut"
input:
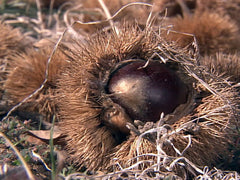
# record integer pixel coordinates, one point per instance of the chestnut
(146, 90)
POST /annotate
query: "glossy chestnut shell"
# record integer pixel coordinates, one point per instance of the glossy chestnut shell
(146, 90)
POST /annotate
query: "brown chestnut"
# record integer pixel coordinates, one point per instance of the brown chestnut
(146, 90)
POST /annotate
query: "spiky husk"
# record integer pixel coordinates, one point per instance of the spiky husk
(27, 73)
(203, 129)
(11, 43)
(10, 40)
(224, 64)
(230, 8)
(213, 32)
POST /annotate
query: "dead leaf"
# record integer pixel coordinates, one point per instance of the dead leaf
(45, 134)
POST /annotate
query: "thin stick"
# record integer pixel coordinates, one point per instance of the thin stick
(50, 13)
(39, 14)
(114, 15)
(53, 172)
(185, 9)
(108, 15)
(28, 171)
